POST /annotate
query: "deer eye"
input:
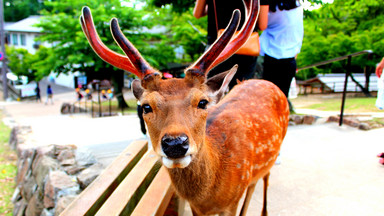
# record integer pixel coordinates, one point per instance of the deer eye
(147, 108)
(203, 104)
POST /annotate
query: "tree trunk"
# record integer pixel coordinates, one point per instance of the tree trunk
(118, 85)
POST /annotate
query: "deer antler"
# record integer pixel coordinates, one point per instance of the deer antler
(214, 56)
(132, 53)
(105, 53)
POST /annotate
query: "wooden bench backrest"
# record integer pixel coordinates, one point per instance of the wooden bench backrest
(135, 183)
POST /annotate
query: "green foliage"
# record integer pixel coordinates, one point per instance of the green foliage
(15, 10)
(339, 29)
(178, 6)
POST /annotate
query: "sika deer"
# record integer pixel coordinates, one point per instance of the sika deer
(213, 152)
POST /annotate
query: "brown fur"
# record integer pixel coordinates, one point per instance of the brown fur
(236, 141)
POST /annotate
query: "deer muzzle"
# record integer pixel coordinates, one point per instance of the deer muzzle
(175, 149)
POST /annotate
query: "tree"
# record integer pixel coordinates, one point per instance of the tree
(15, 10)
(71, 52)
(339, 29)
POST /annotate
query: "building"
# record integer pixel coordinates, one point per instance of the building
(23, 34)
(334, 83)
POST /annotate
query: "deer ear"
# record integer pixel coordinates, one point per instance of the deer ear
(137, 89)
(218, 84)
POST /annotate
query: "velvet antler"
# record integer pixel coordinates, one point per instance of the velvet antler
(217, 54)
(109, 56)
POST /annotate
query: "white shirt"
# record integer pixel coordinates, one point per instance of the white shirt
(284, 34)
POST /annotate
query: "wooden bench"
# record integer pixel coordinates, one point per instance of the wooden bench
(135, 183)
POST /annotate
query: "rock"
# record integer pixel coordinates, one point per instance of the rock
(297, 119)
(28, 188)
(49, 150)
(364, 126)
(351, 122)
(13, 138)
(86, 176)
(333, 119)
(74, 169)
(19, 208)
(63, 202)
(23, 168)
(85, 158)
(309, 119)
(58, 184)
(16, 195)
(35, 205)
(68, 162)
(47, 212)
(66, 155)
(41, 167)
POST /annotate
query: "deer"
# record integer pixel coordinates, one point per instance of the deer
(215, 146)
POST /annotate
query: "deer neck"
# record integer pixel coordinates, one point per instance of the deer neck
(196, 179)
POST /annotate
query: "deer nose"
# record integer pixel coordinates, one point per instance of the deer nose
(175, 147)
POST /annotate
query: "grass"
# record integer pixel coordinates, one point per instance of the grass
(8, 170)
(352, 104)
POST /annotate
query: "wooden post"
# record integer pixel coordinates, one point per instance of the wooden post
(2, 42)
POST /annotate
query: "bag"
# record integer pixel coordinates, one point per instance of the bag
(251, 47)
(380, 93)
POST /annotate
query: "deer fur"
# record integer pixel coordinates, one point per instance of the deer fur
(215, 148)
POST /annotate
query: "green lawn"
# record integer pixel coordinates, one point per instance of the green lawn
(8, 170)
(352, 105)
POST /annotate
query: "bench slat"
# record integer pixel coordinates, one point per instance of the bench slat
(157, 197)
(124, 198)
(91, 199)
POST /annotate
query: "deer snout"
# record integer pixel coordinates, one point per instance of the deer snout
(175, 146)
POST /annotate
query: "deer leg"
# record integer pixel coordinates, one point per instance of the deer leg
(248, 197)
(265, 179)
(231, 211)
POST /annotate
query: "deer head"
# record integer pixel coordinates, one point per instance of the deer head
(175, 110)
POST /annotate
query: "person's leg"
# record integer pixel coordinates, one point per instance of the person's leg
(280, 72)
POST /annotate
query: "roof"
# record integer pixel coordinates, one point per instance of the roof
(24, 25)
(335, 82)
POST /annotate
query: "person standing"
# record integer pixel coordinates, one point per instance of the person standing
(281, 41)
(380, 68)
(37, 91)
(219, 14)
(49, 94)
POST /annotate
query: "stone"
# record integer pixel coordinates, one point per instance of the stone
(364, 126)
(23, 169)
(61, 148)
(48, 150)
(16, 195)
(66, 154)
(19, 208)
(86, 176)
(68, 162)
(13, 138)
(35, 205)
(333, 119)
(297, 119)
(42, 167)
(85, 158)
(74, 169)
(28, 188)
(351, 122)
(63, 203)
(47, 212)
(58, 184)
(309, 119)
